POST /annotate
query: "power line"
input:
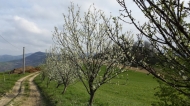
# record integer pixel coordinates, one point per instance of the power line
(17, 47)
(8, 42)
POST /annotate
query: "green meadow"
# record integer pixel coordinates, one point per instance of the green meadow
(128, 89)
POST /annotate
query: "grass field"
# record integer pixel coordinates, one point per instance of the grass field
(9, 82)
(132, 89)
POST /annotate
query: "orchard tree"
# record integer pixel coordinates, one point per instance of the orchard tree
(168, 31)
(89, 47)
(58, 67)
(65, 70)
(49, 69)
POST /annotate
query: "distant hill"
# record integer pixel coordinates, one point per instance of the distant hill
(5, 58)
(34, 59)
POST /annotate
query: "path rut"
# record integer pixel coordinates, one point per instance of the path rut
(34, 98)
(17, 96)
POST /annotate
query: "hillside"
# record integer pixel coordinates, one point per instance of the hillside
(6, 58)
(34, 59)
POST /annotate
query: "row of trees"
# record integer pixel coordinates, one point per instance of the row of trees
(84, 51)
(95, 50)
(59, 68)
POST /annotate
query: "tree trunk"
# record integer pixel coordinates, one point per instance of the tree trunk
(4, 76)
(91, 98)
(58, 85)
(65, 87)
(43, 77)
(48, 81)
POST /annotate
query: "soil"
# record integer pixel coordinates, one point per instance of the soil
(34, 98)
(138, 70)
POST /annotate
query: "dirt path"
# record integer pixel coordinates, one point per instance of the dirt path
(34, 98)
(14, 92)
(22, 96)
(138, 69)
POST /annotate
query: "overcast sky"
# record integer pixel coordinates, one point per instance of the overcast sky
(30, 23)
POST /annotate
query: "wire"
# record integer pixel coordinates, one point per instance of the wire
(9, 42)
(19, 48)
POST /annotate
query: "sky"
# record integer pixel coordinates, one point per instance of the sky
(30, 23)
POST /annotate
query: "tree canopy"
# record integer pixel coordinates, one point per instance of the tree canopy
(168, 31)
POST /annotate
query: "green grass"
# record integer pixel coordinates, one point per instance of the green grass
(136, 89)
(26, 88)
(9, 82)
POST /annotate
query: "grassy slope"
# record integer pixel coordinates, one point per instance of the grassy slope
(138, 90)
(9, 81)
(5, 66)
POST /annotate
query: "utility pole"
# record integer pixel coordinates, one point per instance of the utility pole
(23, 61)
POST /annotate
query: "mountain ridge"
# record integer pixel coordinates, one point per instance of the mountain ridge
(34, 59)
(6, 58)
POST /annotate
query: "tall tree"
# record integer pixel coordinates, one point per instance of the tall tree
(89, 48)
(168, 31)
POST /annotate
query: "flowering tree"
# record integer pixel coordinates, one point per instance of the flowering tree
(168, 31)
(89, 48)
(49, 66)
(65, 70)
(59, 68)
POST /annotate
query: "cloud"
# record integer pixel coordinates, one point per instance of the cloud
(26, 25)
(30, 23)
